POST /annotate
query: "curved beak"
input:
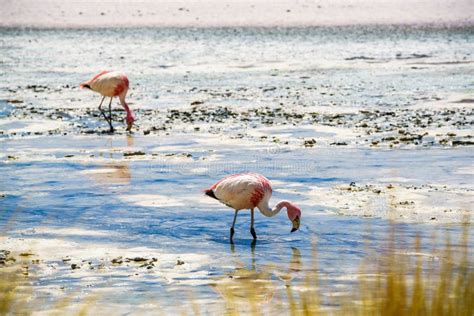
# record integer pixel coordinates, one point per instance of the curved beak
(129, 126)
(296, 224)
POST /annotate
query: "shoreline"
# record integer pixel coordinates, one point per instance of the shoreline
(402, 26)
(245, 13)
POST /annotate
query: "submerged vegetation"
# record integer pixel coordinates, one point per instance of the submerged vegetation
(397, 279)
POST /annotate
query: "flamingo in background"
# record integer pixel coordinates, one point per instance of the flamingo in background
(247, 191)
(111, 84)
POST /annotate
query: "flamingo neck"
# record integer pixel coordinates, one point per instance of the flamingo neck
(130, 117)
(268, 212)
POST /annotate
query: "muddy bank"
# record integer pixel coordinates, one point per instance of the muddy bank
(426, 127)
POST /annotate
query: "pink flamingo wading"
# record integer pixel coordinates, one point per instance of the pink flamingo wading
(111, 84)
(250, 191)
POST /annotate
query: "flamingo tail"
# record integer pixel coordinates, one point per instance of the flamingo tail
(210, 193)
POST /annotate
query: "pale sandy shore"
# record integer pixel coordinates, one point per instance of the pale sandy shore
(227, 13)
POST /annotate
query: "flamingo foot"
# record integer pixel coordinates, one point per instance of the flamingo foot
(232, 235)
(110, 125)
(254, 235)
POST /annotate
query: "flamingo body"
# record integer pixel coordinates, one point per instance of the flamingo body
(249, 191)
(111, 84)
(242, 191)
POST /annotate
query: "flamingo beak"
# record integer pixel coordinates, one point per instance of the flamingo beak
(129, 126)
(296, 224)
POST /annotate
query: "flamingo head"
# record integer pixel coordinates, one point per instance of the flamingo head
(130, 119)
(294, 215)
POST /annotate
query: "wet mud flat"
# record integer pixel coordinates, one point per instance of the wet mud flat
(444, 127)
(361, 86)
(366, 129)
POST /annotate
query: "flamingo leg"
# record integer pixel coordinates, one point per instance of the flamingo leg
(100, 109)
(232, 228)
(252, 230)
(110, 116)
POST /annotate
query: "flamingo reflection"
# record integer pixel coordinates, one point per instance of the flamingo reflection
(257, 286)
(112, 172)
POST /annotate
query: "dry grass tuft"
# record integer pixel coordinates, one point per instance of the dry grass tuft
(401, 282)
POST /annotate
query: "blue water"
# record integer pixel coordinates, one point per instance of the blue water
(55, 193)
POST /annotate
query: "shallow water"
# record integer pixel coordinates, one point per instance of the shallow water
(94, 197)
(155, 204)
(354, 66)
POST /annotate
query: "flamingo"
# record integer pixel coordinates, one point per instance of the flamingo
(111, 84)
(247, 191)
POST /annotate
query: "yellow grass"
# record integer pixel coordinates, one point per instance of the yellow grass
(398, 282)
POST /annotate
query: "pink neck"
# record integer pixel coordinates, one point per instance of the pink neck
(282, 204)
(130, 117)
(267, 211)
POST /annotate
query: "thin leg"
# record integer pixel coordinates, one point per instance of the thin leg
(101, 101)
(252, 230)
(253, 244)
(110, 116)
(100, 109)
(232, 228)
(252, 250)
